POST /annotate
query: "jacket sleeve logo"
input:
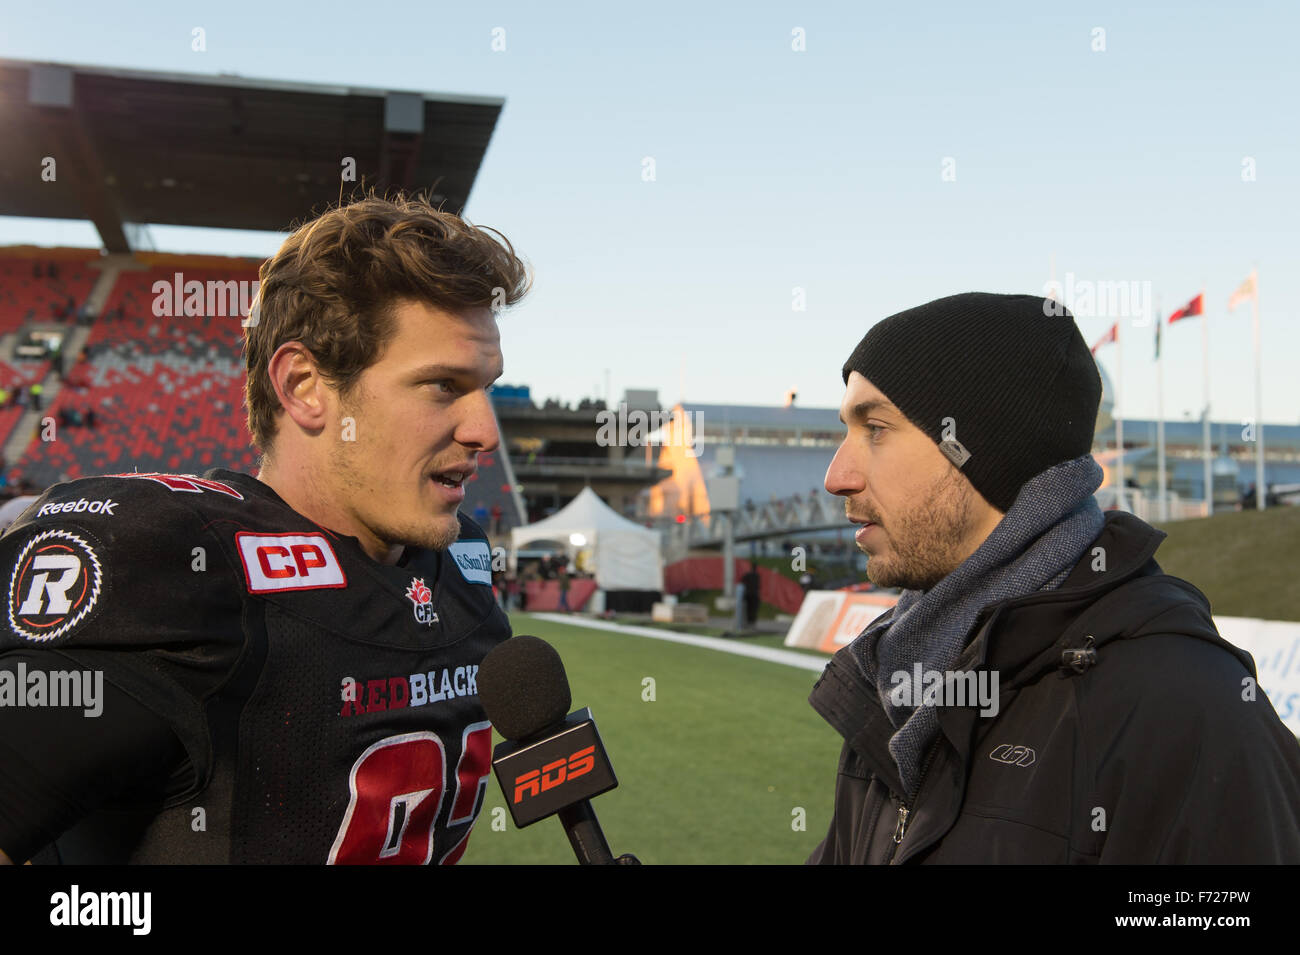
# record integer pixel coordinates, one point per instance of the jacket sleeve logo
(1013, 755)
(280, 562)
(55, 585)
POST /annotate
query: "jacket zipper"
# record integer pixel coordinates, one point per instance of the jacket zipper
(900, 827)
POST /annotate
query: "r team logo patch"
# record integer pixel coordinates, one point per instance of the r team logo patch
(56, 584)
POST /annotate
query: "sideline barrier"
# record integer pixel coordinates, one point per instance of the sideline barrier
(829, 619)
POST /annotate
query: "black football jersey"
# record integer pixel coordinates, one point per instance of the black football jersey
(327, 703)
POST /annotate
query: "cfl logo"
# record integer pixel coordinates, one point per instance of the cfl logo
(553, 774)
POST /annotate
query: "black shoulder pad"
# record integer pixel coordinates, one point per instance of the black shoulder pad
(469, 530)
(103, 560)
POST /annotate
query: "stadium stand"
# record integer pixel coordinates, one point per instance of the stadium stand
(14, 375)
(166, 391)
(489, 496)
(43, 288)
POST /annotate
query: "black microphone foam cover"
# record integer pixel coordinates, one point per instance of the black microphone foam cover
(523, 687)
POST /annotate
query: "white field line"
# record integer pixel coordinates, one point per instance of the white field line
(788, 657)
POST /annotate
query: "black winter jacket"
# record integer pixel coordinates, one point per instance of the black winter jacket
(1127, 731)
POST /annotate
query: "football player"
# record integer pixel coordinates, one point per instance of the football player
(279, 668)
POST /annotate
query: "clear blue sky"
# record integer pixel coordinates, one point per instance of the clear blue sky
(819, 169)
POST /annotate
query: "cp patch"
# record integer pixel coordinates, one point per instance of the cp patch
(56, 584)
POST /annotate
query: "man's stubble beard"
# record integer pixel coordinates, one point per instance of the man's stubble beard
(365, 500)
(925, 545)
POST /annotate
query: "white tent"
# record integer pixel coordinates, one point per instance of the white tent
(625, 554)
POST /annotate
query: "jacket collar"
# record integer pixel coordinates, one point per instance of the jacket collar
(1032, 624)
(1013, 636)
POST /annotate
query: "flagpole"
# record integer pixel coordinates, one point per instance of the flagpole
(1119, 417)
(1160, 420)
(1205, 358)
(1260, 493)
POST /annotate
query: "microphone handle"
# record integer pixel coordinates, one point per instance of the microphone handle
(583, 830)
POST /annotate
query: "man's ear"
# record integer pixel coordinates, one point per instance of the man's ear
(303, 393)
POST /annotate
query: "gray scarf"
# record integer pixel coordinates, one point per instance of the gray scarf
(1034, 547)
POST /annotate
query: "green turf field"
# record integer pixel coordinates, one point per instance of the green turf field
(711, 771)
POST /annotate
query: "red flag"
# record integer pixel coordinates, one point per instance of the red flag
(1106, 339)
(1195, 307)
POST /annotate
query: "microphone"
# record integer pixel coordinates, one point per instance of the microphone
(551, 763)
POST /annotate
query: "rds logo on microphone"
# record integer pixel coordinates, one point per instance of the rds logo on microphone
(554, 774)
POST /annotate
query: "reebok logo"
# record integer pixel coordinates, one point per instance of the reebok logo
(81, 505)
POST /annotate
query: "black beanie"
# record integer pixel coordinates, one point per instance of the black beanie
(1004, 384)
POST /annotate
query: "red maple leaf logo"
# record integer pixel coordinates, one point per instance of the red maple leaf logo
(419, 592)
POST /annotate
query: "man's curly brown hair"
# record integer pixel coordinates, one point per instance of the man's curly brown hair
(334, 284)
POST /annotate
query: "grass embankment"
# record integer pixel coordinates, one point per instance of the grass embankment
(1246, 562)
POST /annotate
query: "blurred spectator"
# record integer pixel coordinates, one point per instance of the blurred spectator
(37, 389)
(752, 584)
(564, 587)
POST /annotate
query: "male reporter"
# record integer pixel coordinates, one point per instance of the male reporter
(1083, 708)
(287, 660)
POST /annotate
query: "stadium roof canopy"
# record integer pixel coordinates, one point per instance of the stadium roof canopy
(222, 151)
